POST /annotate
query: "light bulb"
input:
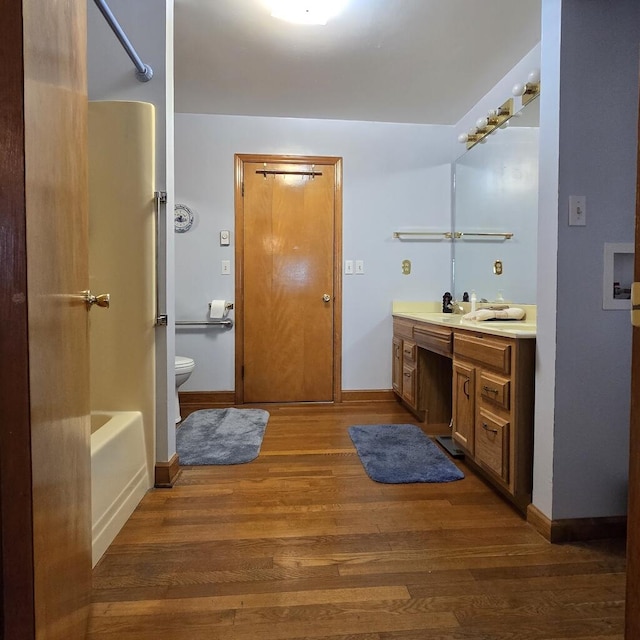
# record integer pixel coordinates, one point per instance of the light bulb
(463, 137)
(518, 89)
(534, 76)
(481, 123)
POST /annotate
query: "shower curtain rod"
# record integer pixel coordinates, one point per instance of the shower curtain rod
(144, 72)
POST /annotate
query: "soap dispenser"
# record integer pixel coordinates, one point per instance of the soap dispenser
(446, 302)
(473, 301)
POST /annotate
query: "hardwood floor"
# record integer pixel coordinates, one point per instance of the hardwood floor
(302, 544)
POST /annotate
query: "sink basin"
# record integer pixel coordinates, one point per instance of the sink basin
(516, 325)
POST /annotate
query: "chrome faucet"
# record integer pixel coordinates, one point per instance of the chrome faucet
(455, 307)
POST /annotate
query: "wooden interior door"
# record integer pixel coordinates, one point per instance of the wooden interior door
(287, 256)
(44, 392)
(632, 609)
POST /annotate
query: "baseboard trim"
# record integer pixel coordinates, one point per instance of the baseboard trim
(576, 529)
(191, 401)
(166, 473)
(368, 395)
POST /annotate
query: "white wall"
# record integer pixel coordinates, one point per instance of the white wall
(547, 259)
(111, 76)
(599, 47)
(395, 176)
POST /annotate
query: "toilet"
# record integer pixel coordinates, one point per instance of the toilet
(184, 368)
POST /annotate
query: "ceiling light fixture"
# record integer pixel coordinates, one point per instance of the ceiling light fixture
(306, 11)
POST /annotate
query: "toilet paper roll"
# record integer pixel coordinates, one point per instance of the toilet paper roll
(218, 309)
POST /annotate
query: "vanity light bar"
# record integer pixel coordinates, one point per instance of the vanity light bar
(498, 117)
(529, 90)
(484, 126)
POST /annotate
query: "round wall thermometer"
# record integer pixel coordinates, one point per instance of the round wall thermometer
(182, 218)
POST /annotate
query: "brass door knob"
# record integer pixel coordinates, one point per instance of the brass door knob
(102, 300)
(326, 297)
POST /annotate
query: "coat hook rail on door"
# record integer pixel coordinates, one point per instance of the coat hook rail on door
(144, 72)
(277, 172)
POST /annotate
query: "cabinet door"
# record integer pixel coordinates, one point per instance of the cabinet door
(409, 384)
(464, 384)
(396, 379)
(492, 444)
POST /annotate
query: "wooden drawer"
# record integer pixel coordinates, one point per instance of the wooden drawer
(403, 328)
(495, 389)
(492, 444)
(439, 340)
(408, 352)
(491, 353)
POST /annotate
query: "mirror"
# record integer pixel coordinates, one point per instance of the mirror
(495, 192)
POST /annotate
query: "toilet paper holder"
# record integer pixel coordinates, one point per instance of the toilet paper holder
(228, 306)
(216, 322)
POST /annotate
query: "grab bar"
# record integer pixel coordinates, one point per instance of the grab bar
(144, 72)
(160, 197)
(226, 322)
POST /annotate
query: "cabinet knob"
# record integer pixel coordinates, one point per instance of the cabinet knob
(489, 389)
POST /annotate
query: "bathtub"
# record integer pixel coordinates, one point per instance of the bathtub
(119, 474)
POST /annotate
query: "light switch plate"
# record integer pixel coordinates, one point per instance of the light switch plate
(348, 267)
(577, 211)
(225, 238)
(359, 266)
(225, 268)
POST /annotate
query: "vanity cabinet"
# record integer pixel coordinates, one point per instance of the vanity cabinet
(422, 370)
(480, 384)
(405, 376)
(493, 408)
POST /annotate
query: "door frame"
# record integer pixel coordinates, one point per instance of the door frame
(632, 603)
(326, 161)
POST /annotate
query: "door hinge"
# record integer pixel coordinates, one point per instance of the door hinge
(242, 372)
(243, 189)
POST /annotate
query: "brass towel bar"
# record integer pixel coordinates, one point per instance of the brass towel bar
(456, 235)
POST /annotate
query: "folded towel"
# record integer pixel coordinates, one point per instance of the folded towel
(481, 315)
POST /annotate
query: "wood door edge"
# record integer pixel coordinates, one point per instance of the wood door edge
(239, 275)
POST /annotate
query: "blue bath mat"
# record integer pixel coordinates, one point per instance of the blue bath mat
(401, 453)
(221, 436)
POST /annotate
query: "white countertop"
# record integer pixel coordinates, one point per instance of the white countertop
(431, 312)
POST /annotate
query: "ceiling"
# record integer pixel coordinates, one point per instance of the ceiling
(417, 61)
